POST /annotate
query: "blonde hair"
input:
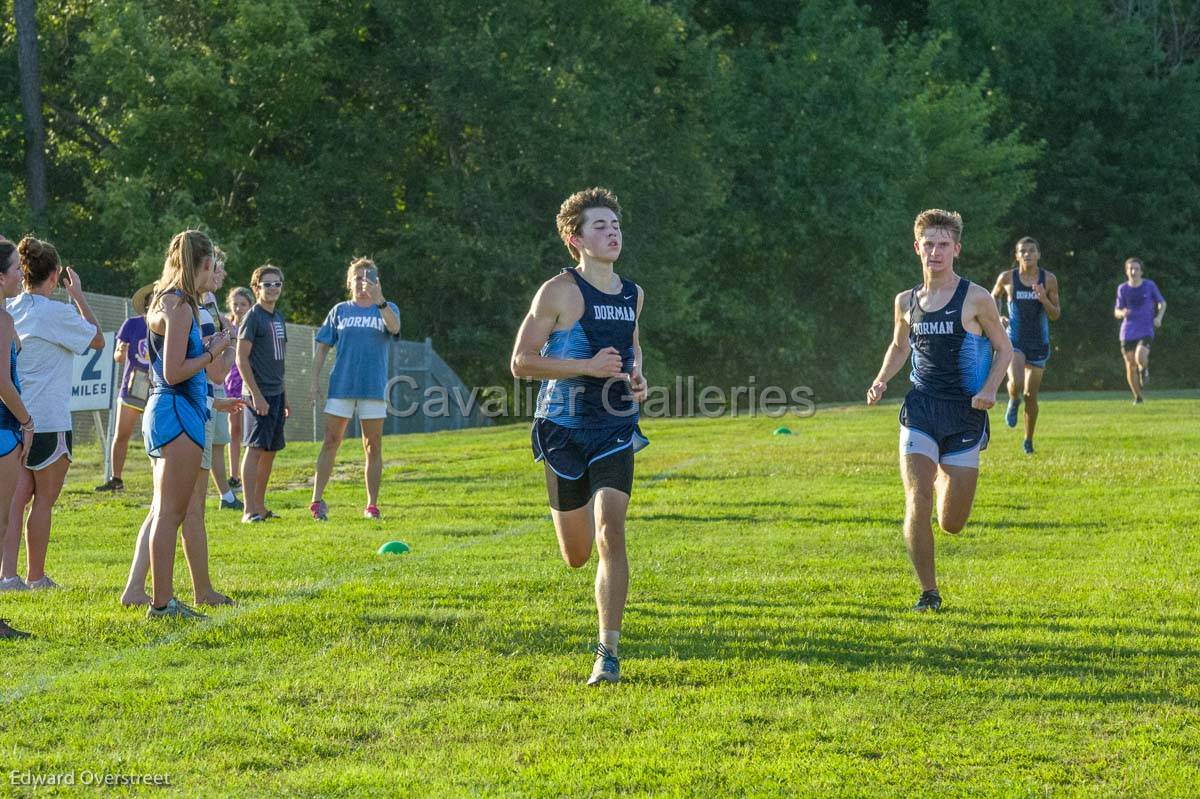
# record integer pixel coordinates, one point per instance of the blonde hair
(185, 256)
(937, 218)
(570, 213)
(356, 263)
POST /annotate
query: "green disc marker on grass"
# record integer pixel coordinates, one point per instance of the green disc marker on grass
(394, 548)
(783, 431)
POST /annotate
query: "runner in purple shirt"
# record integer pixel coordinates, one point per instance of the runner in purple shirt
(135, 385)
(1140, 307)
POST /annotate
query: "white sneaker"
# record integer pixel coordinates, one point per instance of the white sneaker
(13, 584)
(43, 584)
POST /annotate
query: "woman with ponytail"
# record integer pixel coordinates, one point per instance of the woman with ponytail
(51, 334)
(16, 436)
(177, 413)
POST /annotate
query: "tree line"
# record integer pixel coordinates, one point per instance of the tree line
(770, 156)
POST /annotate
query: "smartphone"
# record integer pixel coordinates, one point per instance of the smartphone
(372, 275)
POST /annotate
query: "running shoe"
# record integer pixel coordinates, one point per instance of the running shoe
(1137, 400)
(319, 511)
(1010, 417)
(269, 514)
(930, 600)
(9, 634)
(372, 512)
(251, 518)
(234, 504)
(43, 584)
(1028, 446)
(173, 609)
(115, 484)
(607, 669)
(13, 584)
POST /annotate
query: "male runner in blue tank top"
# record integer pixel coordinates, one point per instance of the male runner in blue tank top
(959, 354)
(1032, 294)
(580, 338)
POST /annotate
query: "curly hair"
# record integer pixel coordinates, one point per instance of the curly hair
(570, 213)
(39, 260)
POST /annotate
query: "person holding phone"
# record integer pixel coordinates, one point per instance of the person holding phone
(261, 353)
(51, 333)
(135, 384)
(361, 329)
(16, 436)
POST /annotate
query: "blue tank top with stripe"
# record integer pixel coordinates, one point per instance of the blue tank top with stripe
(948, 361)
(1028, 325)
(592, 402)
(195, 388)
(7, 420)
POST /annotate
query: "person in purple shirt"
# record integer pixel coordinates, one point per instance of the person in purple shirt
(1140, 307)
(135, 384)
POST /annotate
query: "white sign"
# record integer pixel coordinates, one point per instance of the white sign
(92, 378)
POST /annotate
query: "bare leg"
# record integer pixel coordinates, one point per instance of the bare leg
(612, 573)
(372, 435)
(126, 418)
(218, 469)
(172, 491)
(1033, 384)
(47, 485)
(335, 430)
(195, 546)
(1131, 374)
(918, 473)
(1016, 377)
(235, 445)
(10, 473)
(575, 533)
(266, 460)
(1142, 359)
(22, 493)
(139, 569)
(956, 495)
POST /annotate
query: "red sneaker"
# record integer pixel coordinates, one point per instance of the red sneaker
(372, 512)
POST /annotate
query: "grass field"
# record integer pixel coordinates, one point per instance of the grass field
(768, 648)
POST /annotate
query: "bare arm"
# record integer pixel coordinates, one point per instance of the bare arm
(8, 391)
(1049, 297)
(121, 351)
(1000, 292)
(896, 353)
(637, 380)
(258, 403)
(75, 291)
(527, 361)
(989, 321)
(318, 364)
(1162, 309)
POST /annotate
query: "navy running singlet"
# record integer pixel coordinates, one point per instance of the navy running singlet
(948, 362)
(7, 420)
(585, 402)
(1028, 325)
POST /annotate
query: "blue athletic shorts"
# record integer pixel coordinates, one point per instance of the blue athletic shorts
(950, 429)
(1035, 355)
(9, 440)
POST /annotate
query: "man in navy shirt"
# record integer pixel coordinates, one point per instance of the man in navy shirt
(361, 330)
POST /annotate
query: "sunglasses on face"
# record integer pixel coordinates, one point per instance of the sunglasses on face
(271, 284)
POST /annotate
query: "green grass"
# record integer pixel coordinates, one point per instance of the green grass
(768, 646)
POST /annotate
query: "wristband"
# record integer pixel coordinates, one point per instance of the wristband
(27, 424)
(381, 305)
(211, 358)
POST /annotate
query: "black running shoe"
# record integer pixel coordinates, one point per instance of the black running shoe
(9, 634)
(606, 669)
(930, 600)
(115, 484)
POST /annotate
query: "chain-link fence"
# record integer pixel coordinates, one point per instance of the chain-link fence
(413, 366)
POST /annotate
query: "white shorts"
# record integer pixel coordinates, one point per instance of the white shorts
(367, 408)
(914, 442)
(206, 457)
